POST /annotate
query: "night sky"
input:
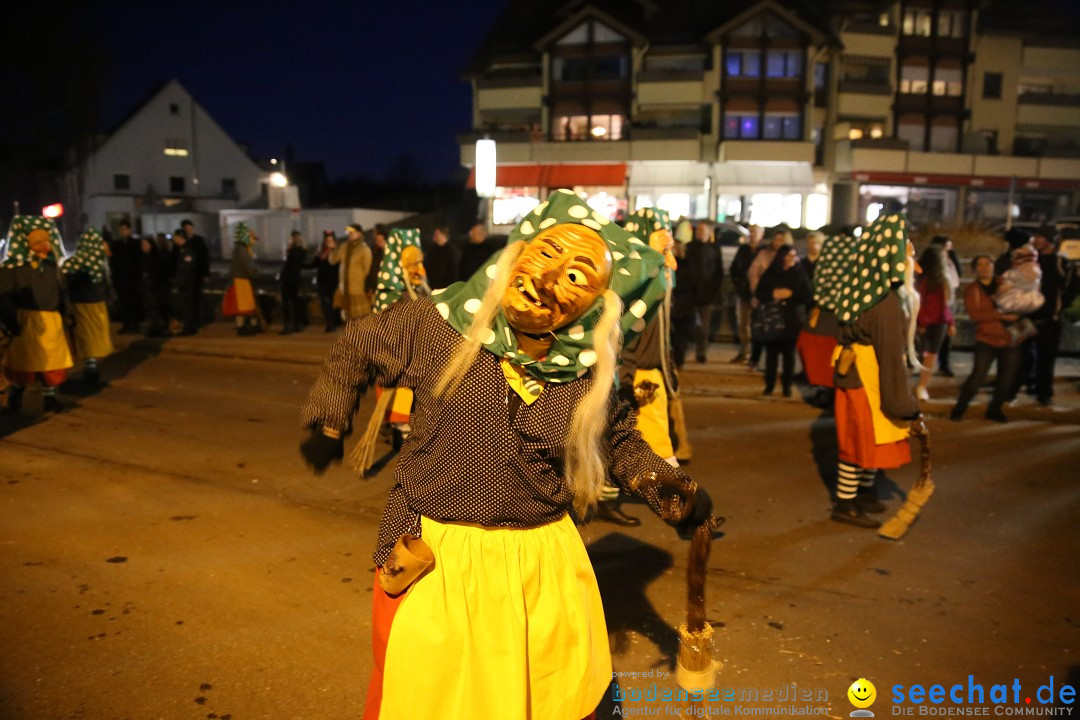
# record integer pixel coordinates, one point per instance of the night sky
(354, 83)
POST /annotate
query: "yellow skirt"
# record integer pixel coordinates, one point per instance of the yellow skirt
(652, 417)
(92, 338)
(41, 344)
(507, 625)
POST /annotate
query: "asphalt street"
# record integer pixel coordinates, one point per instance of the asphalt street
(165, 554)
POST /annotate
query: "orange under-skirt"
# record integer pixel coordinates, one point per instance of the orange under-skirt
(855, 434)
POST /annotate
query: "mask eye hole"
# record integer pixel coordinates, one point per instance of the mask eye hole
(576, 277)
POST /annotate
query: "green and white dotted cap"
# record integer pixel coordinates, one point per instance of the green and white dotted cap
(646, 221)
(17, 247)
(89, 256)
(833, 266)
(635, 277)
(880, 260)
(391, 280)
(242, 235)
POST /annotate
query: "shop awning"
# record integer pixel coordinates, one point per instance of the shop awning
(554, 176)
(659, 178)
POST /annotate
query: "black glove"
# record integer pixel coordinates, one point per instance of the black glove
(319, 451)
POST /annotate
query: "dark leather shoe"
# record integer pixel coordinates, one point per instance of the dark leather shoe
(867, 501)
(607, 512)
(846, 511)
(996, 415)
(52, 405)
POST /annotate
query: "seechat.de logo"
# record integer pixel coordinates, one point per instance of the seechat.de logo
(862, 695)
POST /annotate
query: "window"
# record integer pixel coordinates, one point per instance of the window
(176, 147)
(821, 74)
(176, 184)
(228, 187)
(121, 182)
(782, 126)
(948, 81)
(783, 64)
(991, 86)
(943, 137)
(913, 129)
(866, 129)
(174, 109)
(952, 23)
(584, 127)
(744, 63)
(741, 126)
(917, 22)
(914, 79)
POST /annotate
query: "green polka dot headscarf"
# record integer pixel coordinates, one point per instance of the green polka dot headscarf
(635, 277)
(18, 241)
(391, 279)
(242, 236)
(89, 256)
(646, 221)
(862, 271)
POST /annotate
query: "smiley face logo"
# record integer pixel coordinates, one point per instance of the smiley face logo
(862, 693)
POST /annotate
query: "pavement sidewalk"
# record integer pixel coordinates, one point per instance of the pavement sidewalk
(717, 377)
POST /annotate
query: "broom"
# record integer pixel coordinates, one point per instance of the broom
(696, 669)
(363, 455)
(897, 526)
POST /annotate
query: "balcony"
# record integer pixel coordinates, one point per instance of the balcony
(672, 75)
(788, 151)
(865, 87)
(515, 79)
(932, 104)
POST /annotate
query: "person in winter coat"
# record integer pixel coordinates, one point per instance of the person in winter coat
(354, 259)
(153, 281)
(186, 282)
(706, 281)
(326, 281)
(784, 283)
(740, 279)
(935, 320)
(441, 259)
(291, 302)
(992, 343)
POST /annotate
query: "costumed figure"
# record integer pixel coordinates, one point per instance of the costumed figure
(401, 276)
(870, 289)
(485, 603)
(647, 376)
(354, 261)
(239, 301)
(817, 340)
(32, 311)
(84, 273)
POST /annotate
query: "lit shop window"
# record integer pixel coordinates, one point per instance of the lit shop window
(512, 204)
(817, 210)
(606, 205)
(770, 209)
(584, 127)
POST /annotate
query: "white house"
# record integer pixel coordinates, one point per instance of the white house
(168, 158)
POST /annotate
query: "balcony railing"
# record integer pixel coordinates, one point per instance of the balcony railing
(865, 87)
(1060, 100)
(662, 133)
(499, 136)
(669, 75)
(492, 82)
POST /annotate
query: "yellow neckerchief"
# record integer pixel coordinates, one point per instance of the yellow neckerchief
(525, 385)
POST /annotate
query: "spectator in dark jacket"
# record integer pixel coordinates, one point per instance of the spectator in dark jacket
(291, 303)
(783, 282)
(1059, 286)
(124, 253)
(185, 282)
(326, 281)
(476, 252)
(740, 279)
(682, 306)
(153, 283)
(703, 257)
(441, 259)
(201, 252)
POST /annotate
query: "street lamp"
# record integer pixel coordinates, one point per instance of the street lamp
(485, 168)
(278, 179)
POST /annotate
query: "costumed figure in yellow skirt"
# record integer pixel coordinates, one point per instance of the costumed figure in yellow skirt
(486, 604)
(84, 273)
(401, 276)
(239, 301)
(32, 310)
(868, 287)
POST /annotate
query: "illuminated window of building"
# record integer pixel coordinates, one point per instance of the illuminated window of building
(741, 126)
(914, 79)
(783, 63)
(744, 63)
(948, 81)
(590, 83)
(782, 126)
(918, 22)
(175, 147)
(584, 127)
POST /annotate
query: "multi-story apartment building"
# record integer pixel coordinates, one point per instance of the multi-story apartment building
(773, 111)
